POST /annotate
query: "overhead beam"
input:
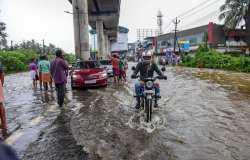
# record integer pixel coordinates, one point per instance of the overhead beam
(104, 13)
(96, 6)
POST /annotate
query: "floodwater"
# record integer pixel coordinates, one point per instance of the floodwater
(203, 115)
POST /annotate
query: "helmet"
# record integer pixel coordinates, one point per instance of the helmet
(147, 55)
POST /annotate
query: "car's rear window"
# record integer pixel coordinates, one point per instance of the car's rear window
(87, 65)
(105, 62)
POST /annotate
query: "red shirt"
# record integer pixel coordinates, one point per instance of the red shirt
(115, 62)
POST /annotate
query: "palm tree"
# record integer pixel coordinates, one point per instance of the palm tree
(3, 35)
(234, 12)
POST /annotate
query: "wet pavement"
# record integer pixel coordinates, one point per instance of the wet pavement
(203, 115)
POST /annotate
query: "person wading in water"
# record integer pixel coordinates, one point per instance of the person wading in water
(59, 70)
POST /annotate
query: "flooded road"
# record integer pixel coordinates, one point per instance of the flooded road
(203, 115)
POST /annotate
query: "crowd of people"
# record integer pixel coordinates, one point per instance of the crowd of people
(46, 73)
(120, 66)
(40, 71)
(172, 58)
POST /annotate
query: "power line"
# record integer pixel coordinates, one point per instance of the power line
(200, 19)
(201, 9)
(192, 9)
(205, 4)
(167, 26)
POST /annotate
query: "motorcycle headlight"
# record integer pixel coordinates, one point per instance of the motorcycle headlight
(149, 84)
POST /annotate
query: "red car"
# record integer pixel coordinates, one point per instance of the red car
(88, 74)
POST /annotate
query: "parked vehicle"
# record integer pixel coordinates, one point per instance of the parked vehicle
(108, 66)
(88, 74)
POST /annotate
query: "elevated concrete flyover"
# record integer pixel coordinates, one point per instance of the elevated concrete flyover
(103, 16)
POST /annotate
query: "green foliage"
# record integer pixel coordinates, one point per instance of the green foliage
(3, 35)
(212, 59)
(234, 12)
(18, 60)
(70, 58)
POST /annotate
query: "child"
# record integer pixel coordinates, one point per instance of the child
(33, 73)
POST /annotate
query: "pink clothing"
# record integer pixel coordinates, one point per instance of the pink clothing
(33, 67)
(116, 71)
(1, 93)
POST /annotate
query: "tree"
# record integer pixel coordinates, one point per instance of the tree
(234, 12)
(3, 35)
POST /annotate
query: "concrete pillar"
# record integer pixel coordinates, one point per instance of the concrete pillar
(100, 38)
(81, 29)
(109, 48)
(106, 46)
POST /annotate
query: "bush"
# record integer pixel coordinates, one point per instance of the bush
(210, 58)
(18, 60)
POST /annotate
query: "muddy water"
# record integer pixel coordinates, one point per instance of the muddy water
(203, 114)
(28, 110)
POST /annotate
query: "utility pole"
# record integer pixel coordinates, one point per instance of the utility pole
(176, 22)
(11, 45)
(43, 47)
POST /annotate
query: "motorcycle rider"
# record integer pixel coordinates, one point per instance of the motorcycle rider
(146, 67)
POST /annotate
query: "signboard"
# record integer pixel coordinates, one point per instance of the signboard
(121, 44)
(184, 45)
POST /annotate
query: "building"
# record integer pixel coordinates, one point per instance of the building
(215, 35)
(121, 45)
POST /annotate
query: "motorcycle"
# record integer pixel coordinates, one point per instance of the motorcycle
(148, 99)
